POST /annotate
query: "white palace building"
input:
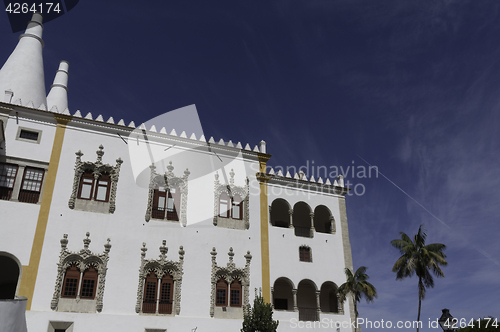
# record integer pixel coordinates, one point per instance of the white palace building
(112, 227)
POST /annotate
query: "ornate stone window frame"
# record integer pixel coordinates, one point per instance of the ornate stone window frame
(231, 190)
(230, 273)
(161, 266)
(97, 168)
(83, 260)
(169, 179)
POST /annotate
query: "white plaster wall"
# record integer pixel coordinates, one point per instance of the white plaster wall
(18, 221)
(327, 254)
(127, 230)
(29, 150)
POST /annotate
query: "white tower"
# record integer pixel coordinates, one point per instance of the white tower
(22, 73)
(57, 99)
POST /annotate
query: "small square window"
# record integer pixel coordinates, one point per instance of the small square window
(305, 254)
(29, 135)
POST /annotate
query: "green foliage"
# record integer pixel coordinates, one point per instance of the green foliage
(420, 259)
(484, 325)
(357, 286)
(260, 317)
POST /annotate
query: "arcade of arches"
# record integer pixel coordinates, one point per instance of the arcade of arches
(302, 218)
(306, 299)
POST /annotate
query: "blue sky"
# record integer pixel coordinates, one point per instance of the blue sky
(409, 86)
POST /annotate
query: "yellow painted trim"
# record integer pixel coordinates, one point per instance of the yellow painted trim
(264, 228)
(30, 272)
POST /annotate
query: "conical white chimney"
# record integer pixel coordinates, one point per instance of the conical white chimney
(57, 100)
(23, 73)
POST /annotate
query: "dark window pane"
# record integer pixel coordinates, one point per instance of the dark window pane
(221, 297)
(165, 292)
(70, 289)
(88, 288)
(235, 297)
(281, 304)
(31, 135)
(7, 178)
(150, 292)
(31, 186)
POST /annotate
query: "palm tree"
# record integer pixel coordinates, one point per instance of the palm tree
(357, 286)
(418, 258)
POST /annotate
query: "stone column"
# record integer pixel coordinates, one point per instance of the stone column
(318, 304)
(290, 212)
(311, 231)
(158, 295)
(17, 184)
(332, 227)
(295, 307)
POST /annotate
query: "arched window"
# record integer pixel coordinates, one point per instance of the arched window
(80, 279)
(160, 295)
(236, 293)
(149, 299)
(221, 293)
(231, 204)
(166, 294)
(9, 276)
(323, 219)
(224, 205)
(280, 213)
(306, 301)
(328, 297)
(89, 283)
(71, 281)
(237, 207)
(302, 219)
(102, 188)
(305, 254)
(86, 185)
(283, 294)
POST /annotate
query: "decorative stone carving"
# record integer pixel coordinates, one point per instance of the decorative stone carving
(230, 273)
(97, 169)
(83, 259)
(231, 190)
(169, 179)
(161, 266)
